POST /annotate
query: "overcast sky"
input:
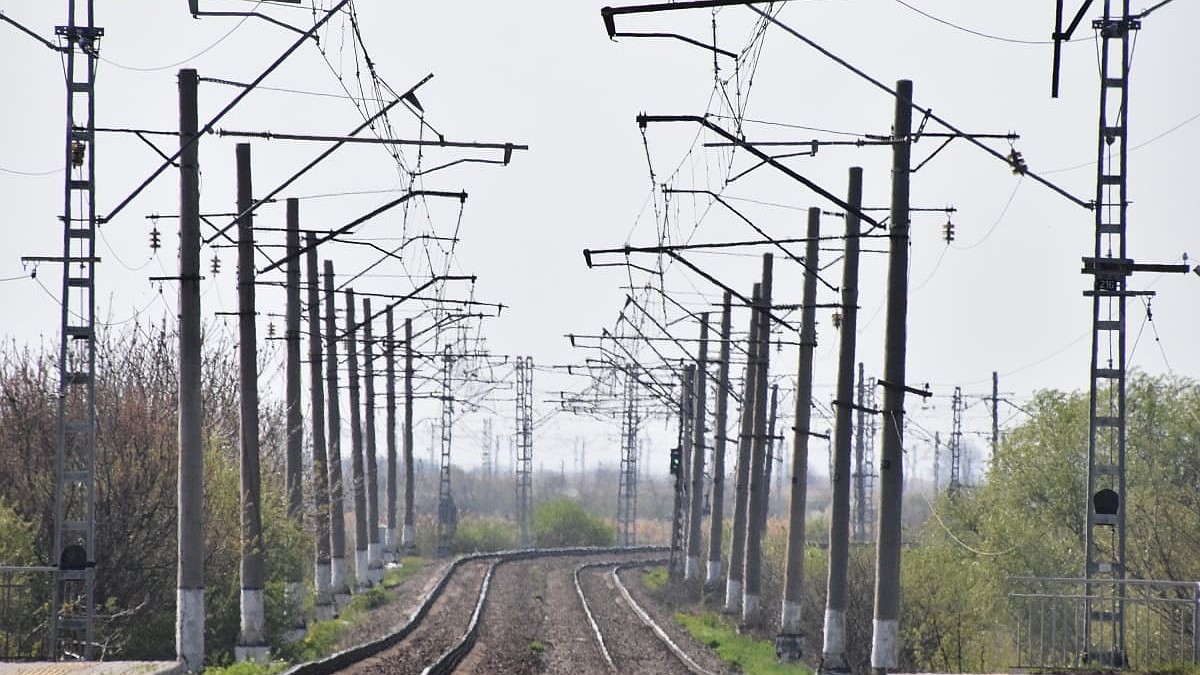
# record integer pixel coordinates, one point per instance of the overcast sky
(1004, 296)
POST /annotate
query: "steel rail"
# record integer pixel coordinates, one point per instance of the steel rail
(675, 649)
(587, 611)
(348, 657)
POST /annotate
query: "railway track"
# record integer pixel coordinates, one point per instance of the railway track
(615, 614)
(446, 625)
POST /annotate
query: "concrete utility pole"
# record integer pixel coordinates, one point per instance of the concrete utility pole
(679, 464)
(691, 568)
(937, 463)
(294, 469)
(741, 480)
(408, 536)
(833, 655)
(752, 579)
(390, 545)
(252, 643)
(374, 549)
(789, 643)
(769, 465)
(362, 577)
(337, 488)
(712, 578)
(189, 593)
(885, 640)
(323, 602)
(291, 336)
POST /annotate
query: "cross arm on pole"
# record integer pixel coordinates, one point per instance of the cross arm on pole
(9, 20)
(645, 119)
(321, 157)
(224, 111)
(362, 219)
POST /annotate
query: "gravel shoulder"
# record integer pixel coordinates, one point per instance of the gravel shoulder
(389, 618)
(442, 627)
(663, 615)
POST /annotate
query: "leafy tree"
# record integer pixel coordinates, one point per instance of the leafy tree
(565, 523)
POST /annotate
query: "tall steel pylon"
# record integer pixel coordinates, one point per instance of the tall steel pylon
(864, 461)
(1105, 569)
(628, 479)
(485, 460)
(447, 511)
(71, 630)
(524, 439)
(1105, 538)
(956, 407)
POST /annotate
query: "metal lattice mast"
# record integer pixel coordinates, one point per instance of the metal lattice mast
(524, 469)
(872, 430)
(627, 485)
(485, 460)
(74, 497)
(447, 512)
(956, 406)
(861, 510)
(679, 464)
(1106, 437)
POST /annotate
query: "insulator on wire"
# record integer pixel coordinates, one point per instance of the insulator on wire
(271, 329)
(78, 151)
(1017, 162)
(216, 265)
(948, 231)
(155, 239)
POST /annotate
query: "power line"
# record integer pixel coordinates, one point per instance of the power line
(989, 36)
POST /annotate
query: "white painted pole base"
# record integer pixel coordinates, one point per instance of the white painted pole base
(255, 653)
(321, 585)
(885, 645)
(362, 577)
(713, 576)
(733, 597)
(391, 545)
(789, 648)
(751, 607)
(408, 539)
(691, 568)
(789, 643)
(789, 623)
(294, 596)
(189, 628)
(337, 584)
(375, 564)
(323, 607)
(833, 656)
(251, 634)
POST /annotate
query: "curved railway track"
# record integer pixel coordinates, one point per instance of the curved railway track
(649, 650)
(444, 628)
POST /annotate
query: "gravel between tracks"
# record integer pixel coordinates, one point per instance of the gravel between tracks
(533, 622)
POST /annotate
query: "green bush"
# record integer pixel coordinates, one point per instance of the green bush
(484, 535)
(564, 523)
(16, 537)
